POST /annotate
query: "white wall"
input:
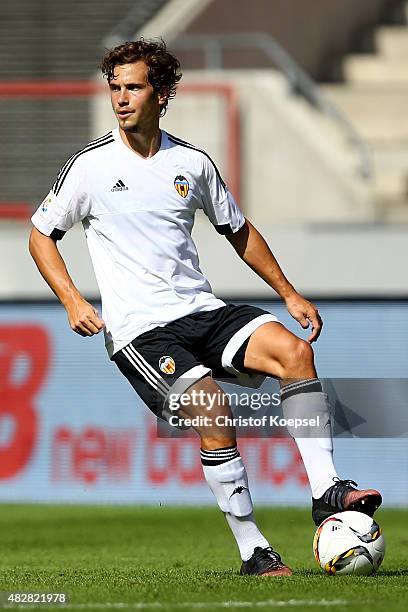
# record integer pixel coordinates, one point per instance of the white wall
(300, 187)
(295, 164)
(331, 260)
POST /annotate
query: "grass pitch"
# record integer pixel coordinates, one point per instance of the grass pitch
(168, 558)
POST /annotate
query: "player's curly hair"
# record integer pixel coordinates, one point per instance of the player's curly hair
(163, 67)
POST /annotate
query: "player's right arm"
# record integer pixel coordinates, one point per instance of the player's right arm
(67, 203)
(224, 213)
(82, 316)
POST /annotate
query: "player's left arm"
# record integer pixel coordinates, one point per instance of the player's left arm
(254, 251)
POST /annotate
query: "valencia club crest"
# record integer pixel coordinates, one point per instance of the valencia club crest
(167, 364)
(182, 185)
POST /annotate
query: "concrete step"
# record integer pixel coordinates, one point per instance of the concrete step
(396, 214)
(391, 185)
(391, 195)
(391, 157)
(374, 69)
(380, 115)
(392, 42)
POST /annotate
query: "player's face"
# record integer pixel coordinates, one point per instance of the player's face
(134, 101)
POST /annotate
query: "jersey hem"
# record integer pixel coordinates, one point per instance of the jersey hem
(114, 347)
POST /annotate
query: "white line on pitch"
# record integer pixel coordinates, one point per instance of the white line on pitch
(273, 603)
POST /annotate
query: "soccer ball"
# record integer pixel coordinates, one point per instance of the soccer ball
(349, 543)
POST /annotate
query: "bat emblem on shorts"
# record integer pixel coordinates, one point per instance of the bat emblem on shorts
(167, 364)
(182, 185)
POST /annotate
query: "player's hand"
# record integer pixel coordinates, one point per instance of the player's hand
(84, 318)
(305, 313)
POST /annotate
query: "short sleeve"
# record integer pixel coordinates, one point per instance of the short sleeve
(218, 202)
(67, 203)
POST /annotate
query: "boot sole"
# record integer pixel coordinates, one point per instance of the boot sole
(367, 504)
(283, 571)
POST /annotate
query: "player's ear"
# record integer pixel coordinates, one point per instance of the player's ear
(163, 96)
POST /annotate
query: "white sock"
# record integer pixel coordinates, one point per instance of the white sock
(226, 476)
(318, 463)
(246, 534)
(305, 399)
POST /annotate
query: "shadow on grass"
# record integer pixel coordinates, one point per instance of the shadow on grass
(397, 572)
(382, 573)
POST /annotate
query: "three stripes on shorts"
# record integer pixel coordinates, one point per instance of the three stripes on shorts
(146, 370)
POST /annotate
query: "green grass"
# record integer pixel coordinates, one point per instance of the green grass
(173, 555)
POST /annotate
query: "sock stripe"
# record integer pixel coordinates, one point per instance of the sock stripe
(218, 452)
(304, 386)
(218, 456)
(297, 383)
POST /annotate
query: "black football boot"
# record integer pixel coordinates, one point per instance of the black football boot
(343, 496)
(265, 562)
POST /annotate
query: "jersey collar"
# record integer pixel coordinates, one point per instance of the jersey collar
(164, 146)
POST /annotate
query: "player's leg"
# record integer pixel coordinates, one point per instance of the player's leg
(159, 368)
(226, 476)
(274, 350)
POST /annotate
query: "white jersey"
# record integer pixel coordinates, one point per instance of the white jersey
(138, 215)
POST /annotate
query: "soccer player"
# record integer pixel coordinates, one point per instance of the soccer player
(136, 191)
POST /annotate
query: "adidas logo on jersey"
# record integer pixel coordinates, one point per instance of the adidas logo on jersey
(120, 186)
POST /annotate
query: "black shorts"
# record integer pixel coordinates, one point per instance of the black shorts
(172, 358)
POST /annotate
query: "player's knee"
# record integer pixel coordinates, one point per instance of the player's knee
(298, 360)
(304, 352)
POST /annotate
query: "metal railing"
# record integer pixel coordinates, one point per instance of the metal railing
(300, 82)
